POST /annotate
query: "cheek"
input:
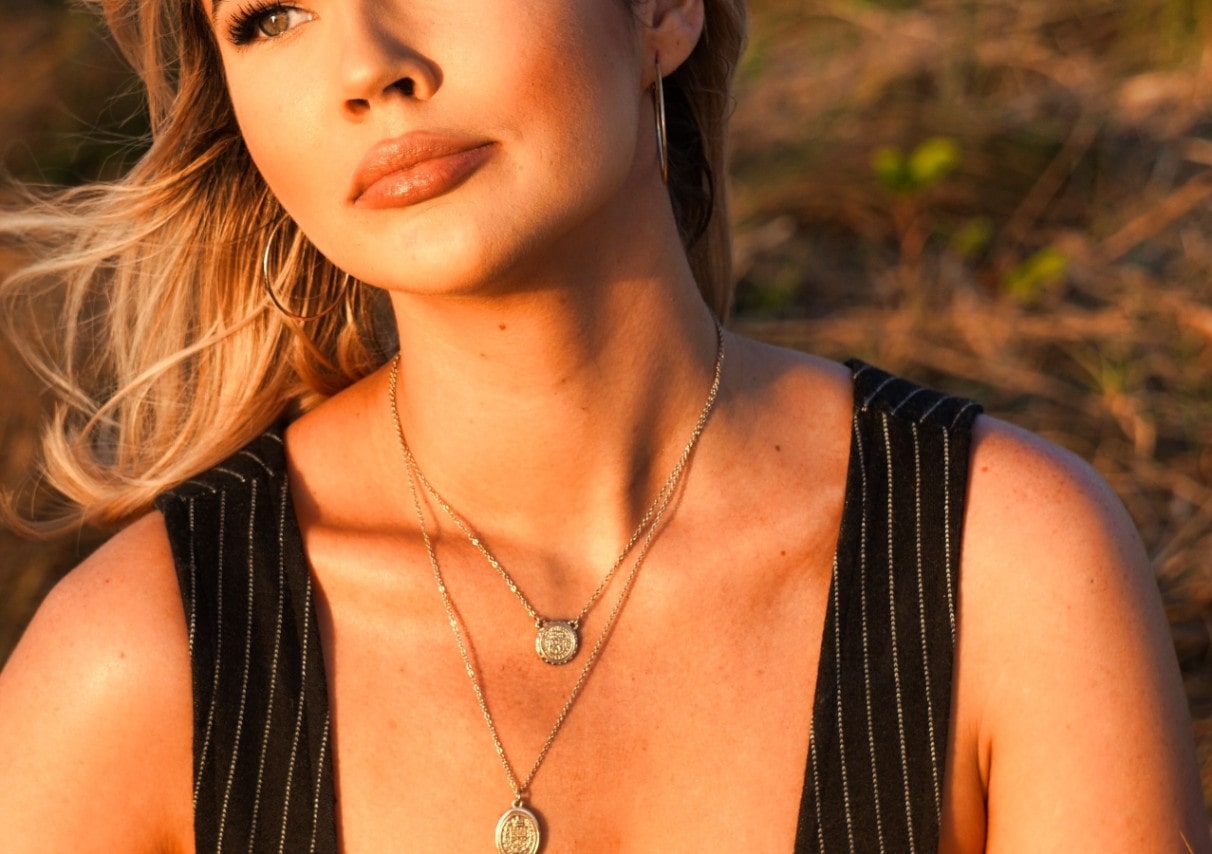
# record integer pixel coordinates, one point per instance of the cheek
(577, 86)
(282, 129)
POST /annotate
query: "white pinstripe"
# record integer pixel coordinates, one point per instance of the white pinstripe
(214, 695)
(816, 782)
(875, 788)
(969, 405)
(841, 729)
(907, 398)
(294, 746)
(250, 455)
(193, 582)
(202, 484)
(231, 473)
(315, 804)
(942, 398)
(921, 610)
(235, 755)
(896, 666)
(273, 669)
(877, 391)
(948, 561)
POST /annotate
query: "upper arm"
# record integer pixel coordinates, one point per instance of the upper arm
(1083, 736)
(95, 710)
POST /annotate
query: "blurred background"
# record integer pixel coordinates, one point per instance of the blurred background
(1010, 199)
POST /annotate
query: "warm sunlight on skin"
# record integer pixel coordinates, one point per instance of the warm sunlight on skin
(553, 92)
(493, 166)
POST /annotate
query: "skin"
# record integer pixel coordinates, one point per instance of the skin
(555, 354)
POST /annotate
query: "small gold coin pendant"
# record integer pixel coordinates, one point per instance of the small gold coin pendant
(518, 831)
(557, 641)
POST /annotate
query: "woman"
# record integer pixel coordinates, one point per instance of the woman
(359, 630)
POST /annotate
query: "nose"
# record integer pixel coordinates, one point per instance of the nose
(377, 65)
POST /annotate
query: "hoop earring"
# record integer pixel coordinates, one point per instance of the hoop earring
(658, 105)
(267, 281)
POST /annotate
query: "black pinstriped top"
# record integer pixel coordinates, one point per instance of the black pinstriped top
(873, 776)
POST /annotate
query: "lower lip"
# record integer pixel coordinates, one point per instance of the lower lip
(425, 180)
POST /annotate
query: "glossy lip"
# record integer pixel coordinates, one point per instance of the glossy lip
(415, 167)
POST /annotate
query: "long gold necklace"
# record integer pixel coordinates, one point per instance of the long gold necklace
(518, 830)
(557, 641)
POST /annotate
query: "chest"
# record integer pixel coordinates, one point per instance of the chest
(692, 726)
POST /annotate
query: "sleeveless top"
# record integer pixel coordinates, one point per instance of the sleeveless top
(873, 777)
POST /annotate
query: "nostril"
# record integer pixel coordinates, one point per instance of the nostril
(405, 86)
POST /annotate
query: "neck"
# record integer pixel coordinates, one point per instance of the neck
(549, 418)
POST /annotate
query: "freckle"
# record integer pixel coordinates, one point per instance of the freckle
(483, 355)
(782, 553)
(122, 653)
(501, 327)
(778, 448)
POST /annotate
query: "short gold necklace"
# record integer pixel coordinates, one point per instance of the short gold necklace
(518, 830)
(557, 641)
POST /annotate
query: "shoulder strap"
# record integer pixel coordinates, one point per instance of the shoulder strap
(262, 778)
(882, 708)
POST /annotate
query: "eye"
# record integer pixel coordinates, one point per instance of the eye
(265, 21)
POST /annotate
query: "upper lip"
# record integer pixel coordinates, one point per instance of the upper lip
(404, 152)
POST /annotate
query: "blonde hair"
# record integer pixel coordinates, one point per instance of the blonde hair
(166, 355)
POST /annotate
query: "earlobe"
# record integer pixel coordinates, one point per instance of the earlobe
(674, 28)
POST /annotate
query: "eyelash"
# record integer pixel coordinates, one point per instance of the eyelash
(243, 28)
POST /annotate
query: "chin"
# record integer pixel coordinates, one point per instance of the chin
(461, 255)
(453, 263)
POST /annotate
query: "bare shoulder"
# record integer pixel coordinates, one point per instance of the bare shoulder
(1030, 498)
(1065, 665)
(96, 708)
(800, 387)
(788, 413)
(1045, 533)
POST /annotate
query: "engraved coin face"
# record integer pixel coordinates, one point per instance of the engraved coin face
(557, 642)
(518, 832)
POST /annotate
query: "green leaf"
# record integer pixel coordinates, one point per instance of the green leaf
(1028, 281)
(973, 238)
(891, 170)
(932, 161)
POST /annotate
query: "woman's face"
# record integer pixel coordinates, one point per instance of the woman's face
(430, 145)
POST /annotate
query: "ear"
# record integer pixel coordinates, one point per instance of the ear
(672, 28)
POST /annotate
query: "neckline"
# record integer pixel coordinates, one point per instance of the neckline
(823, 695)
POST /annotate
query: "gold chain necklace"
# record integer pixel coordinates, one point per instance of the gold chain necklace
(557, 641)
(518, 830)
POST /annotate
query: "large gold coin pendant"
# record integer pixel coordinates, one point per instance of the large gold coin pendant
(557, 641)
(518, 831)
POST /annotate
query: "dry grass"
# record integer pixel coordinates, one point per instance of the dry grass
(1062, 273)
(1083, 308)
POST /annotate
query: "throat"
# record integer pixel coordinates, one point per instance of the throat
(569, 475)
